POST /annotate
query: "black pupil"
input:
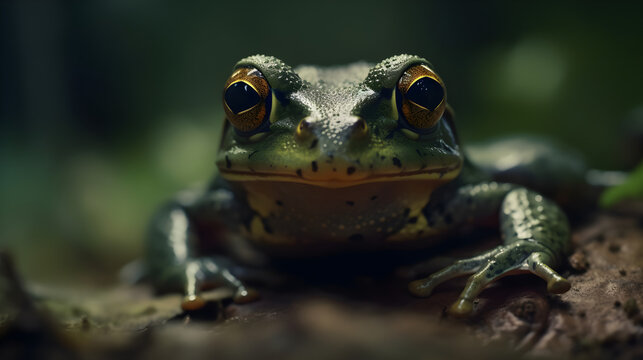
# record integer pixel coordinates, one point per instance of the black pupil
(241, 96)
(426, 92)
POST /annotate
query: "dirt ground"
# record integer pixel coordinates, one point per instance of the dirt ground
(367, 315)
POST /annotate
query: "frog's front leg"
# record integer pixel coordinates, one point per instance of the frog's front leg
(172, 257)
(535, 233)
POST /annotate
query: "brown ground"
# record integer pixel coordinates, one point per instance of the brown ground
(366, 316)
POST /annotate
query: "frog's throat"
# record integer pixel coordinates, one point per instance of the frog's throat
(442, 174)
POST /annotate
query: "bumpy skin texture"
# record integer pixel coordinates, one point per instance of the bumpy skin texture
(534, 229)
(337, 168)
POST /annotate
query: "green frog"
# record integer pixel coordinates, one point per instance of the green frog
(325, 160)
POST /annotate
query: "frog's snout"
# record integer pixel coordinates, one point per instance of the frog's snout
(337, 130)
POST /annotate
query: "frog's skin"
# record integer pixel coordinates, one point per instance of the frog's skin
(336, 166)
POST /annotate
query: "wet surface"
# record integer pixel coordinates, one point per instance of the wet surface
(366, 314)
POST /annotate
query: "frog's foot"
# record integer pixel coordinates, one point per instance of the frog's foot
(515, 258)
(197, 274)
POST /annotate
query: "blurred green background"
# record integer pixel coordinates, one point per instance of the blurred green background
(107, 108)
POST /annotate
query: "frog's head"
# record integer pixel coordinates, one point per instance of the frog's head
(337, 127)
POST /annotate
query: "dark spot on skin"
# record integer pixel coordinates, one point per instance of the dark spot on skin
(228, 164)
(314, 165)
(350, 203)
(373, 197)
(278, 202)
(252, 153)
(299, 173)
(266, 226)
(350, 170)
(313, 144)
(397, 162)
(356, 237)
(413, 220)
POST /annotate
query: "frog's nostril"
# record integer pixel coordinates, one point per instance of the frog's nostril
(305, 129)
(359, 128)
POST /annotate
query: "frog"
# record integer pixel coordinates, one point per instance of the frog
(348, 159)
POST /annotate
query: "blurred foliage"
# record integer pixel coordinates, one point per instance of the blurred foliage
(631, 189)
(109, 107)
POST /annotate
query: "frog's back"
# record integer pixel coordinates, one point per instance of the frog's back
(538, 163)
(334, 76)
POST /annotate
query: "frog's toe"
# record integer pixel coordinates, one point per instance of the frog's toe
(504, 263)
(245, 295)
(192, 303)
(537, 264)
(558, 286)
(191, 276)
(242, 294)
(424, 287)
(475, 284)
(195, 275)
(461, 308)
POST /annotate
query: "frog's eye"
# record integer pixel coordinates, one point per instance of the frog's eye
(420, 98)
(247, 101)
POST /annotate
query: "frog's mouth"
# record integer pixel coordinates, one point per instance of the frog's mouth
(338, 180)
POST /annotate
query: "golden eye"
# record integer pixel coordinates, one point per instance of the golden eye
(421, 98)
(247, 101)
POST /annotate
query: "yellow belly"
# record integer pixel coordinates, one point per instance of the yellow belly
(314, 218)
